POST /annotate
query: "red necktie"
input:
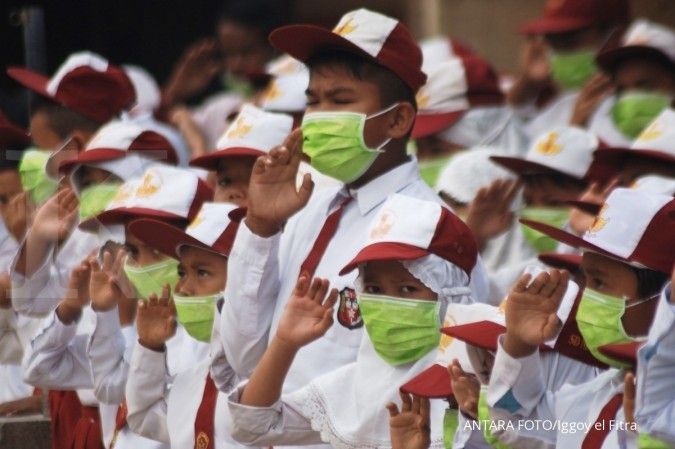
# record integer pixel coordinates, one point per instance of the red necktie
(205, 416)
(308, 267)
(598, 432)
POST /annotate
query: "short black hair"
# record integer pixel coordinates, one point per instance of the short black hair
(649, 282)
(391, 87)
(63, 120)
(260, 15)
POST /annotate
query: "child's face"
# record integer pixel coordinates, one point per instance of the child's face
(431, 147)
(91, 175)
(541, 191)
(244, 50)
(200, 272)
(334, 88)
(232, 179)
(614, 278)
(643, 74)
(390, 278)
(42, 134)
(140, 254)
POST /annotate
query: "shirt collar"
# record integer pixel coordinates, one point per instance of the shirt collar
(372, 194)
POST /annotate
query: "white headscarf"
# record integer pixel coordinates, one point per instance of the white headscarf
(490, 125)
(347, 406)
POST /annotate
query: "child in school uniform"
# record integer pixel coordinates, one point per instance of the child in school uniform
(416, 261)
(628, 254)
(82, 348)
(252, 134)
(184, 409)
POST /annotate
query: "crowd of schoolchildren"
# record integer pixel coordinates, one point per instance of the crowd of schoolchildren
(364, 241)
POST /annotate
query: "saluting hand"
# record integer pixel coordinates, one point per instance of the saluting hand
(272, 194)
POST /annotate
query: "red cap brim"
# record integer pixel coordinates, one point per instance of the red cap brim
(553, 25)
(163, 237)
(433, 383)
(616, 157)
(303, 41)
(384, 251)
(569, 262)
(524, 167)
(609, 59)
(428, 124)
(482, 334)
(210, 161)
(124, 214)
(92, 156)
(625, 352)
(585, 206)
(34, 81)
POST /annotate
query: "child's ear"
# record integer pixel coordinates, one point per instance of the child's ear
(402, 120)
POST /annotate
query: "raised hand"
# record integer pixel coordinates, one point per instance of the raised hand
(17, 215)
(531, 311)
(199, 64)
(490, 212)
(590, 96)
(77, 294)
(106, 281)
(156, 320)
(629, 400)
(272, 194)
(56, 217)
(581, 221)
(308, 313)
(409, 428)
(465, 388)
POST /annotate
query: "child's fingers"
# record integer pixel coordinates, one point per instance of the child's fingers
(166, 293)
(321, 291)
(314, 287)
(393, 409)
(140, 306)
(559, 292)
(538, 283)
(549, 287)
(424, 411)
(522, 283)
(152, 300)
(301, 286)
(629, 386)
(406, 402)
(416, 404)
(331, 300)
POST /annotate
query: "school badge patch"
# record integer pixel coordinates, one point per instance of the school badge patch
(348, 313)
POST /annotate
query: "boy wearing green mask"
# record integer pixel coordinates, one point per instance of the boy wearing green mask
(179, 413)
(360, 112)
(414, 264)
(628, 254)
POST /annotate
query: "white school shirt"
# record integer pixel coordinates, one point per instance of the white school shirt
(165, 407)
(655, 394)
(517, 393)
(262, 273)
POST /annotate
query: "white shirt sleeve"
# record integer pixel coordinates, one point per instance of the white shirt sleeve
(278, 425)
(221, 371)
(57, 357)
(517, 391)
(11, 349)
(655, 395)
(250, 296)
(109, 367)
(146, 392)
(40, 293)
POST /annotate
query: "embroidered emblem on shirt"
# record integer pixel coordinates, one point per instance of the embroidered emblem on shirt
(348, 313)
(202, 441)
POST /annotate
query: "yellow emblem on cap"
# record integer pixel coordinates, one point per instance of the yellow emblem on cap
(199, 219)
(653, 131)
(239, 129)
(346, 28)
(383, 226)
(549, 146)
(150, 185)
(202, 441)
(272, 92)
(446, 340)
(123, 193)
(422, 99)
(599, 222)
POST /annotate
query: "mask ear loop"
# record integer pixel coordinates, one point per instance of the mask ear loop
(380, 147)
(639, 301)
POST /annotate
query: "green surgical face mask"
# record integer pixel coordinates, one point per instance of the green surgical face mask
(195, 314)
(599, 320)
(33, 173)
(552, 216)
(634, 110)
(95, 198)
(151, 278)
(402, 330)
(573, 69)
(335, 144)
(430, 170)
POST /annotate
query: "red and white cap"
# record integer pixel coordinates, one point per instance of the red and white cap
(565, 150)
(643, 38)
(439, 49)
(86, 83)
(253, 132)
(655, 143)
(407, 228)
(213, 229)
(165, 192)
(286, 90)
(118, 139)
(434, 382)
(562, 261)
(561, 16)
(377, 37)
(633, 226)
(12, 136)
(453, 87)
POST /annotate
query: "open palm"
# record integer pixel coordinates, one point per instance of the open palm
(409, 428)
(55, 219)
(104, 285)
(307, 315)
(156, 320)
